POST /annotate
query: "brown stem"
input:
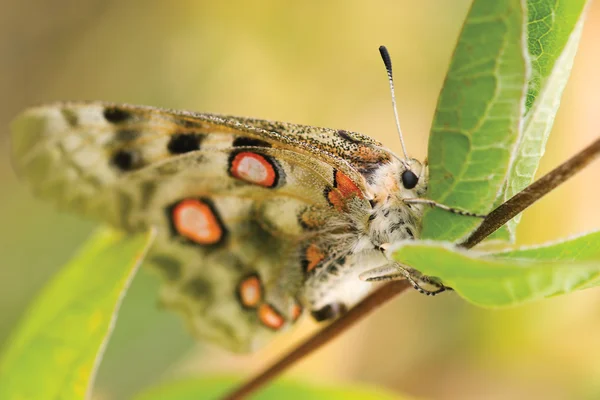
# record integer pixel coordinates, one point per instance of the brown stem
(532, 193)
(490, 224)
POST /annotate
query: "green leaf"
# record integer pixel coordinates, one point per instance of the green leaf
(55, 351)
(554, 30)
(580, 248)
(214, 388)
(509, 278)
(463, 173)
(476, 124)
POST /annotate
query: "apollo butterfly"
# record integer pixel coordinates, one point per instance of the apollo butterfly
(257, 220)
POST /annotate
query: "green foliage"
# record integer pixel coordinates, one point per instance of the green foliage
(509, 278)
(217, 387)
(493, 118)
(55, 351)
(582, 249)
(476, 124)
(497, 107)
(554, 30)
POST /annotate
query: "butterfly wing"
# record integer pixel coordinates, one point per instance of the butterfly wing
(235, 200)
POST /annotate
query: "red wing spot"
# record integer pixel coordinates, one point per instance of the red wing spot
(250, 292)
(197, 221)
(312, 257)
(345, 190)
(269, 317)
(253, 168)
(296, 311)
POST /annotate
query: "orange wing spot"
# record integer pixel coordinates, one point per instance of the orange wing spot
(296, 311)
(345, 185)
(312, 257)
(269, 317)
(197, 221)
(336, 199)
(345, 190)
(253, 168)
(250, 291)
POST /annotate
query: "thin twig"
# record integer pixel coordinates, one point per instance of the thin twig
(532, 193)
(490, 224)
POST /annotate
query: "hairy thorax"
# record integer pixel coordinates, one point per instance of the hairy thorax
(388, 220)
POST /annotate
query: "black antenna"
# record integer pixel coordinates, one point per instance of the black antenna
(385, 56)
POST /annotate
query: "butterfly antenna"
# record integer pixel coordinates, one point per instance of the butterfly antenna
(385, 56)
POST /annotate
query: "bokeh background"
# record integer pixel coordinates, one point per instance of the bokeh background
(308, 62)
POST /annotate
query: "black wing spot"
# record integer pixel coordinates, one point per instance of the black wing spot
(198, 288)
(126, 160)
(116, 115)
(184, 142)
(242, 141)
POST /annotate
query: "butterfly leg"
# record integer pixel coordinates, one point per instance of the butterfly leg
(434, 203)
(396, 271)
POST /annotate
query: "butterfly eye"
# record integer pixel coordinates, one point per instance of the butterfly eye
(409, 179)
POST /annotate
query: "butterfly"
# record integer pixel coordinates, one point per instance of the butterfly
(257, 221)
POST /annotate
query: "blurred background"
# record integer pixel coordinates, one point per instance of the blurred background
(315, 63)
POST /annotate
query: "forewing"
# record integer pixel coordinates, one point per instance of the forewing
(72, 152)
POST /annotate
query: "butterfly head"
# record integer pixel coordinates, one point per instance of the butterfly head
(392, 219)
(398, 180)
